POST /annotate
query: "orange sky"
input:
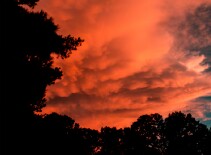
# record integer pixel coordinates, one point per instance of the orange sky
(135, 60)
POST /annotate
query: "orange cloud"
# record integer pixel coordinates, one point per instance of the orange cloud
(132, 62)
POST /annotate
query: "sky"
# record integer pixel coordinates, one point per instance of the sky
(139, 57)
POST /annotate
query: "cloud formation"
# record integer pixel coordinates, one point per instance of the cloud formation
(138, 57)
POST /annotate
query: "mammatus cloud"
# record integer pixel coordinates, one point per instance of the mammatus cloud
(138, 57)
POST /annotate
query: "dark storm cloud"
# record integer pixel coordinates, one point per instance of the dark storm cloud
(201, 109)
(193, 33)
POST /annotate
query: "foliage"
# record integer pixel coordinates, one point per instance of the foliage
(31, 39)
(179, 133)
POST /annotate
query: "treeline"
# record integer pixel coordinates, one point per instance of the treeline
(178, 134)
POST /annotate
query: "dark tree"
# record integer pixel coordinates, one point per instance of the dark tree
(110, 141)
(30, 40)
(51, 132)
(148, 135)
(59, 134)
(185, 135)
(177, 134)
(89, 141)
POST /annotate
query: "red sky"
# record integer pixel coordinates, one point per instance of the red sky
(135, 60)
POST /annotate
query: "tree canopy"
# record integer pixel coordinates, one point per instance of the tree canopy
(179, 133)
(30, 40)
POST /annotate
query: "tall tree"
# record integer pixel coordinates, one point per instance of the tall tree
(185, 135)
(31, 39)
(149, 136)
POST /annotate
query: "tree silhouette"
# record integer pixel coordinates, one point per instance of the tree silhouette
(59, 134)
(148, 129)
(30, 40)
(110, 141)
(185, 135)
(89, 141)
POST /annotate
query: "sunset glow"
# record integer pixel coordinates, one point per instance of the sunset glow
(139, 57)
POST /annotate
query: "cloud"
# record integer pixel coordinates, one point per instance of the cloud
(138, 57)
(200, 108)
(192, 33)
